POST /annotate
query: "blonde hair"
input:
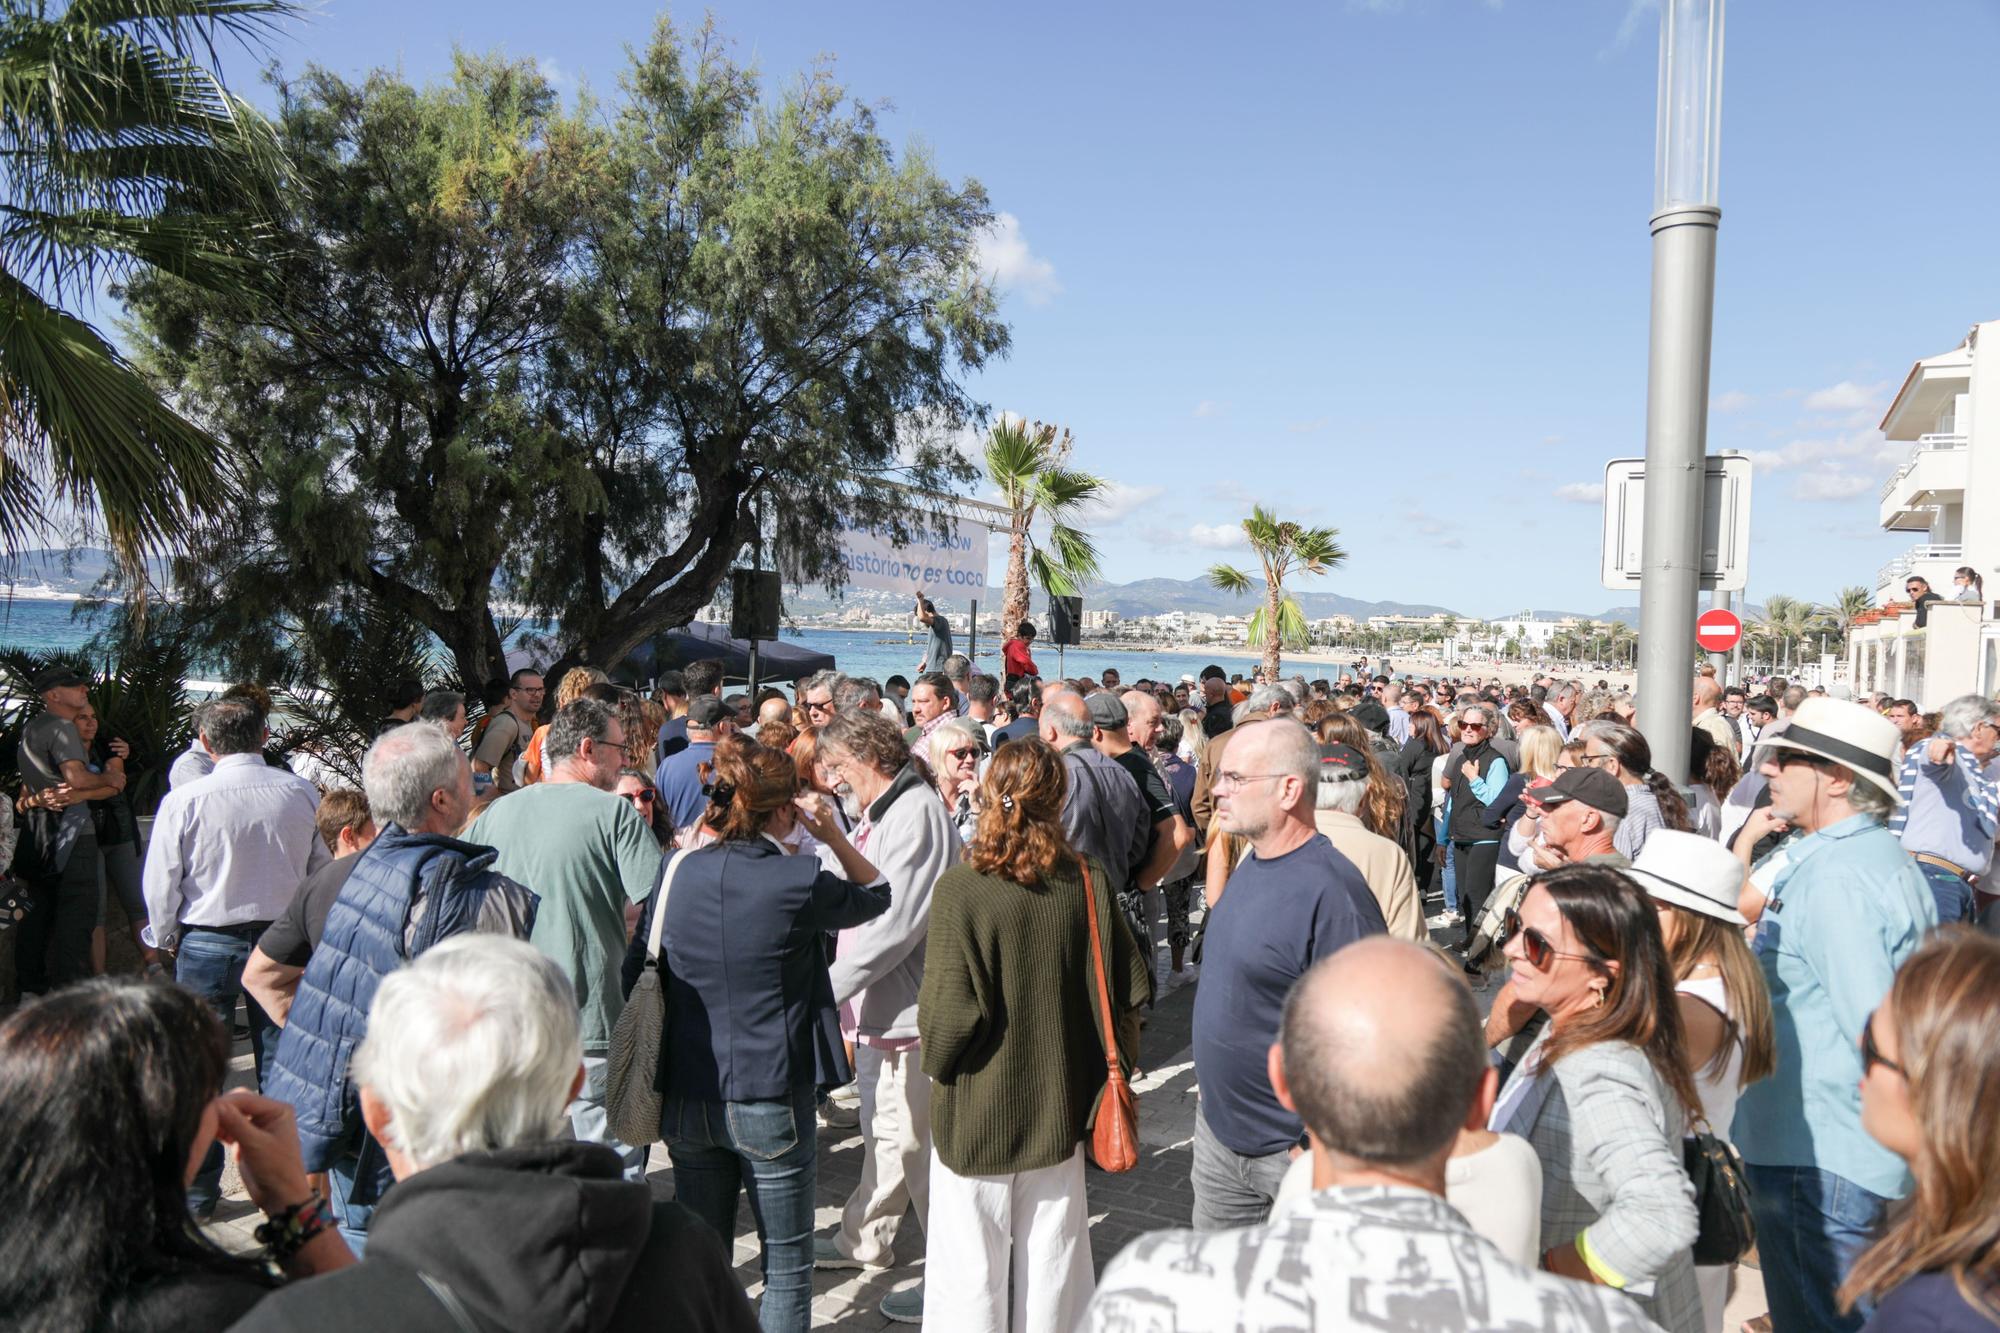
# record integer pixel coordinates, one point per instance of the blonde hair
(574, 682)
(1540, 745)
(1699, 938)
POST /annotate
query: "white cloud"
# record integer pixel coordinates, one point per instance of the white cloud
(1733, 401)
(1628, 27)
(1208, 407)
(1581, 492)
(1118, 501)
(553, 72)
(1863, 446)
(1006, 260)
(1216, 536)
(1846, 396)
(1833, 484)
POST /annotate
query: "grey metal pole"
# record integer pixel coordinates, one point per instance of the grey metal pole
(1726, 601)
(1676, 444)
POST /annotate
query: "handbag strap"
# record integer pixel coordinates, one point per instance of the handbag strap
(660, 905)
(1097, 963)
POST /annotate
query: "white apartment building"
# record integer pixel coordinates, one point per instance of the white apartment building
(1947, 493)
(1533, 634)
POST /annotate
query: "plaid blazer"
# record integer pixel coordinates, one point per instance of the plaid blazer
(1608, 1133)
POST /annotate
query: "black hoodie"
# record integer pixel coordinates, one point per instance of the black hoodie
(542, 1238)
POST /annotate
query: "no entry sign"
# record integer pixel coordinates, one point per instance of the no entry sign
(1718, 631)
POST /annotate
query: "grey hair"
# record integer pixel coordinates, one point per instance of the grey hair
(575, 722)
(1341, 791)
(1069, 716)
(231, 726)
(1959, 718)
(1263, 701)
(831, 681)
(473, 1047)
(951, 732)
(1865, 798)
(440, 706)
(403, 767)
(1296, 687)
(1567, 690)
(854, 691)
(958, 667)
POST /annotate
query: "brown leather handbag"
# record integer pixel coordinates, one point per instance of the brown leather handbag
(1114, 1125)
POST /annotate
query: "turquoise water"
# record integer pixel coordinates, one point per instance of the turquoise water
(46, 626)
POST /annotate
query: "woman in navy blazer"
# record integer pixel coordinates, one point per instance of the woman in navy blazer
(743, 968)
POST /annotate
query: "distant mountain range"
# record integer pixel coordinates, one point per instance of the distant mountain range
(79, 571)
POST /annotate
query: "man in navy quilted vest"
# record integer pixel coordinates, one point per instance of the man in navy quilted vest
(414, 886)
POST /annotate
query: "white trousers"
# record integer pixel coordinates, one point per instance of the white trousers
(896, 1147)
(1030, 1230)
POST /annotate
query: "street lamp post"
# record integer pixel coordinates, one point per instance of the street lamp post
(1685, 217)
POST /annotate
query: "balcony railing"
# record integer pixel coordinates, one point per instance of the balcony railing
(1916, 555)
(1935, 443)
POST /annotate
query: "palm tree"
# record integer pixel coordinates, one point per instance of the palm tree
(1787, 621)
(123, 153)
(1029, 464)
(1847, 608)
(1282, 548)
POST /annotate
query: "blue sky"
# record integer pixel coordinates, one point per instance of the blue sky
(1383, 264)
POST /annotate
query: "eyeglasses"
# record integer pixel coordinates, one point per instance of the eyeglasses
(1595, 759)
(639, 797)
(1535, 945)
(1228, 779)
(1871, 1054)
(819, 705)
(1472, 726)
(964, 752)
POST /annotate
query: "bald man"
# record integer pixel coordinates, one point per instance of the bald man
(1708, 713)
(1104, 812)
(1380, 1055)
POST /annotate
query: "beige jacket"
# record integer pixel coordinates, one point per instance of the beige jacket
(1385, 866)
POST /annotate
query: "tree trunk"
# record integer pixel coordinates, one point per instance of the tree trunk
(1272, 631)
(1014, 599)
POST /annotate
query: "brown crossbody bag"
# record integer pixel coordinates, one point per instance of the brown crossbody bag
(1114, 1128)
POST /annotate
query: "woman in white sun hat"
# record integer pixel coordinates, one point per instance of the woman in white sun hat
(1693, 883)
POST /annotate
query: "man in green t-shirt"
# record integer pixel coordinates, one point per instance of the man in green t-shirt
(588, 854)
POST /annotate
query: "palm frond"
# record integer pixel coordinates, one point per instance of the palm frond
(1073, 549)
(1228, 578)
(1292, 629)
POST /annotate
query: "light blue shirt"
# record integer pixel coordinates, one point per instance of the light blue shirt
(1951, 809)
(231, 848)
(1847, 908)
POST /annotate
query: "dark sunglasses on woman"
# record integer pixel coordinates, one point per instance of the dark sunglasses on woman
(1537, 946)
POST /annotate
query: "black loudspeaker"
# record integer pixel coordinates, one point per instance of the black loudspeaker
(1065, 619)
(753, 604)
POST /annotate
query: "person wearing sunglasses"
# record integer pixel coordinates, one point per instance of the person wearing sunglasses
(1474, 777)
(1918, 589)
(1841, 905)
(1604, 1095)
(953, 751)
(1928, 1059)
(636, 786)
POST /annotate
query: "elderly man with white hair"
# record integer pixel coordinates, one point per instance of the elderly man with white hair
(1343, 785)
(499, 1220)
(1950, 789)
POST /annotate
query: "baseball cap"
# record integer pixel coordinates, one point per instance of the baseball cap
(1592, 786)
(1106, 709)
(58, 677)
(1339, 761)
(706, 710)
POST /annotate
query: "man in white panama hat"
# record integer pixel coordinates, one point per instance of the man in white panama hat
(1844, 906)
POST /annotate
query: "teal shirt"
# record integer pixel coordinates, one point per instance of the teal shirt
(587, 853)
(1845, 911)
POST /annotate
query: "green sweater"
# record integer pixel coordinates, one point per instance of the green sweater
(1010, 1017)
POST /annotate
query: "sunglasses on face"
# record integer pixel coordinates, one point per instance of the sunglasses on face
(1535, 946)
(966, 752)
(1871, 1054)
(1472, 726)
(639, 797)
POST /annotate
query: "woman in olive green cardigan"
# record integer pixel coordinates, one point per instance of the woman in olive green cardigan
(1012, 1040)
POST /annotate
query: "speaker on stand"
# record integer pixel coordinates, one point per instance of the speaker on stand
(754, 603)
(1065, 619)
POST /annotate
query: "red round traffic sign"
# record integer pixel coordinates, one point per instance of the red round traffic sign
(1718, 631)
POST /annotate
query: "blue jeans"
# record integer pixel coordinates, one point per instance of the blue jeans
(1954, 895)
(1450, 874)
(1811, 1227)
(210, 963)
(771, 1147)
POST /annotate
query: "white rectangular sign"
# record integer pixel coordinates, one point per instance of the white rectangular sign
(1725, 522)
(953, 567)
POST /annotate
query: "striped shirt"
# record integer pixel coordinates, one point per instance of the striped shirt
(1949, 810)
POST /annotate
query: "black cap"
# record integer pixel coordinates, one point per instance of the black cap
(1371, 715)
(1339, 760)
(1593, 786)
(705, 710)
(58, 677)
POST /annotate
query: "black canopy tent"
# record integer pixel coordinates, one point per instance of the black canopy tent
(777, 660)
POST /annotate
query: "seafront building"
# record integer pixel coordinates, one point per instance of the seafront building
(1946, 494)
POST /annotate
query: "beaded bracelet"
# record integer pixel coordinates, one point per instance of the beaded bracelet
(286, 1233)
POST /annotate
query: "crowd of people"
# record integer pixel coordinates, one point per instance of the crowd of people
(934, 913)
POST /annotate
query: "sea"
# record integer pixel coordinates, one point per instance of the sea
(47, 626)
